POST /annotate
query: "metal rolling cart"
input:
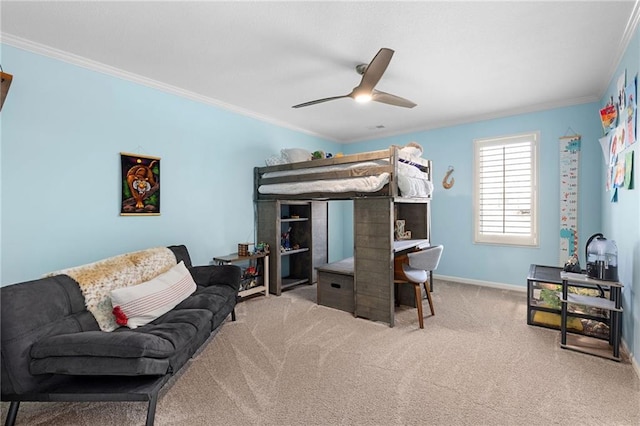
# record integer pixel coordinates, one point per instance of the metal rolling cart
(585, 344)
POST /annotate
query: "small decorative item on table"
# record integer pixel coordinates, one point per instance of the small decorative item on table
(262, 247)
(243, 249)
(400, 233)
(572, 264)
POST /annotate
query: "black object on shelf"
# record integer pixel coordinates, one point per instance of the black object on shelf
(602, 258)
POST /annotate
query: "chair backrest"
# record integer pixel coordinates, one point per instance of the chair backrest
(427, 258)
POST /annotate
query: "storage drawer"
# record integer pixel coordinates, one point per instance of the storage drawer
(336, 291)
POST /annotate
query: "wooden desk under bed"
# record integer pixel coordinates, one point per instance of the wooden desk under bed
(336, 281)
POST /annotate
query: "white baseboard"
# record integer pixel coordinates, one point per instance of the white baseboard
(633, 360)
(519, 288)
(481, 283)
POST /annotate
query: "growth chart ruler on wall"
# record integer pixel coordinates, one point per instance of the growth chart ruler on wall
(569, 166)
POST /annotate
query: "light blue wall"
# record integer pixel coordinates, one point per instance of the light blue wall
(337, 231)
(452, 210)
(621, 220)
(63, 127)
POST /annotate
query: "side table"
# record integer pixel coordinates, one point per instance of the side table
(613, 304)
(260, 261)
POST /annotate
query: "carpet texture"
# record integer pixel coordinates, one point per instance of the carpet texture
(288, 361)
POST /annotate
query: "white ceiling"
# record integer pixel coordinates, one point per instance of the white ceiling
(459, 61)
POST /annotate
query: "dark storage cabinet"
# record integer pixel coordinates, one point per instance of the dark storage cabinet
(544, 304)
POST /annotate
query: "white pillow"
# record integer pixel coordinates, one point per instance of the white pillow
(274, 160)
(411, 151)
(140, 304)
(294, 155)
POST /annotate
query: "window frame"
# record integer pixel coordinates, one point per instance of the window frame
(531, 240)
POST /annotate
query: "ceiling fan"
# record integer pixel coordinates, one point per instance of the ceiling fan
(365, 91)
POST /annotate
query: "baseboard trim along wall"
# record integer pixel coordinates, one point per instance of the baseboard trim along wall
(523, 289)
(481, 283)
(633, 360)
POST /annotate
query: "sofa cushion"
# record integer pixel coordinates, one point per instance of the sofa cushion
(219, 300)
(140, 304)
(73, 353)
(29, 312)
(217, 275)
(103, 366)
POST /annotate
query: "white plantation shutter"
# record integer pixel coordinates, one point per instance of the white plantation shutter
(505, 190)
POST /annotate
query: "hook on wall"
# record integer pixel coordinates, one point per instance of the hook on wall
(448, 184)
(5, 82)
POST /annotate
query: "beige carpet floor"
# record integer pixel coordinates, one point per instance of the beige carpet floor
(288, 361)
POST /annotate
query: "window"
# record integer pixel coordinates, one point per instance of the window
(505, 196)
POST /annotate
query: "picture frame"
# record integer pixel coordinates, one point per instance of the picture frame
(140, 185)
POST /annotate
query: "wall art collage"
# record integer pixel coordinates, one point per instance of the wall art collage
(619, 122)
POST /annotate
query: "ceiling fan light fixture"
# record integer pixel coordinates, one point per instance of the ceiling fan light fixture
(366, 91)
(362, 97)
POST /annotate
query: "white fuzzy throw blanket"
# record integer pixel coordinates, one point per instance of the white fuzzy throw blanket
(97, 279)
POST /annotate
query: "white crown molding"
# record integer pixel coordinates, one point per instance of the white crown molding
(631, 27)
(627, 35)
(83, 62)
(523, 289)
(44, 50)
(477, 118)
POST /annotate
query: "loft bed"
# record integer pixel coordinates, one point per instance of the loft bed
(385, 185)
(391, 172)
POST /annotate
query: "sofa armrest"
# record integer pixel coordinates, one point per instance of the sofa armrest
(206, 276)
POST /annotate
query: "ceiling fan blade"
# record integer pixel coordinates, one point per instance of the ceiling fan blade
(375, 69)
(388, 98)
(319, 101)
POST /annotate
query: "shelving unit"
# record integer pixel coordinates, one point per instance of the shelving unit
(258, 260)
(544, 306)
(613, 305)
(306, 223)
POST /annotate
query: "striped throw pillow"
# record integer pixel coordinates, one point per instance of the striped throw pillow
(140, 304)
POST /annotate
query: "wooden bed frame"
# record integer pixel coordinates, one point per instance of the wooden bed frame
(374, 220)
(389, 190)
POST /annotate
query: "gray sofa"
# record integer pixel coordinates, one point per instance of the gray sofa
(52, 348)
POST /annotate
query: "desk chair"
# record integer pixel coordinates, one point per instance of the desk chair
(417, 269)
